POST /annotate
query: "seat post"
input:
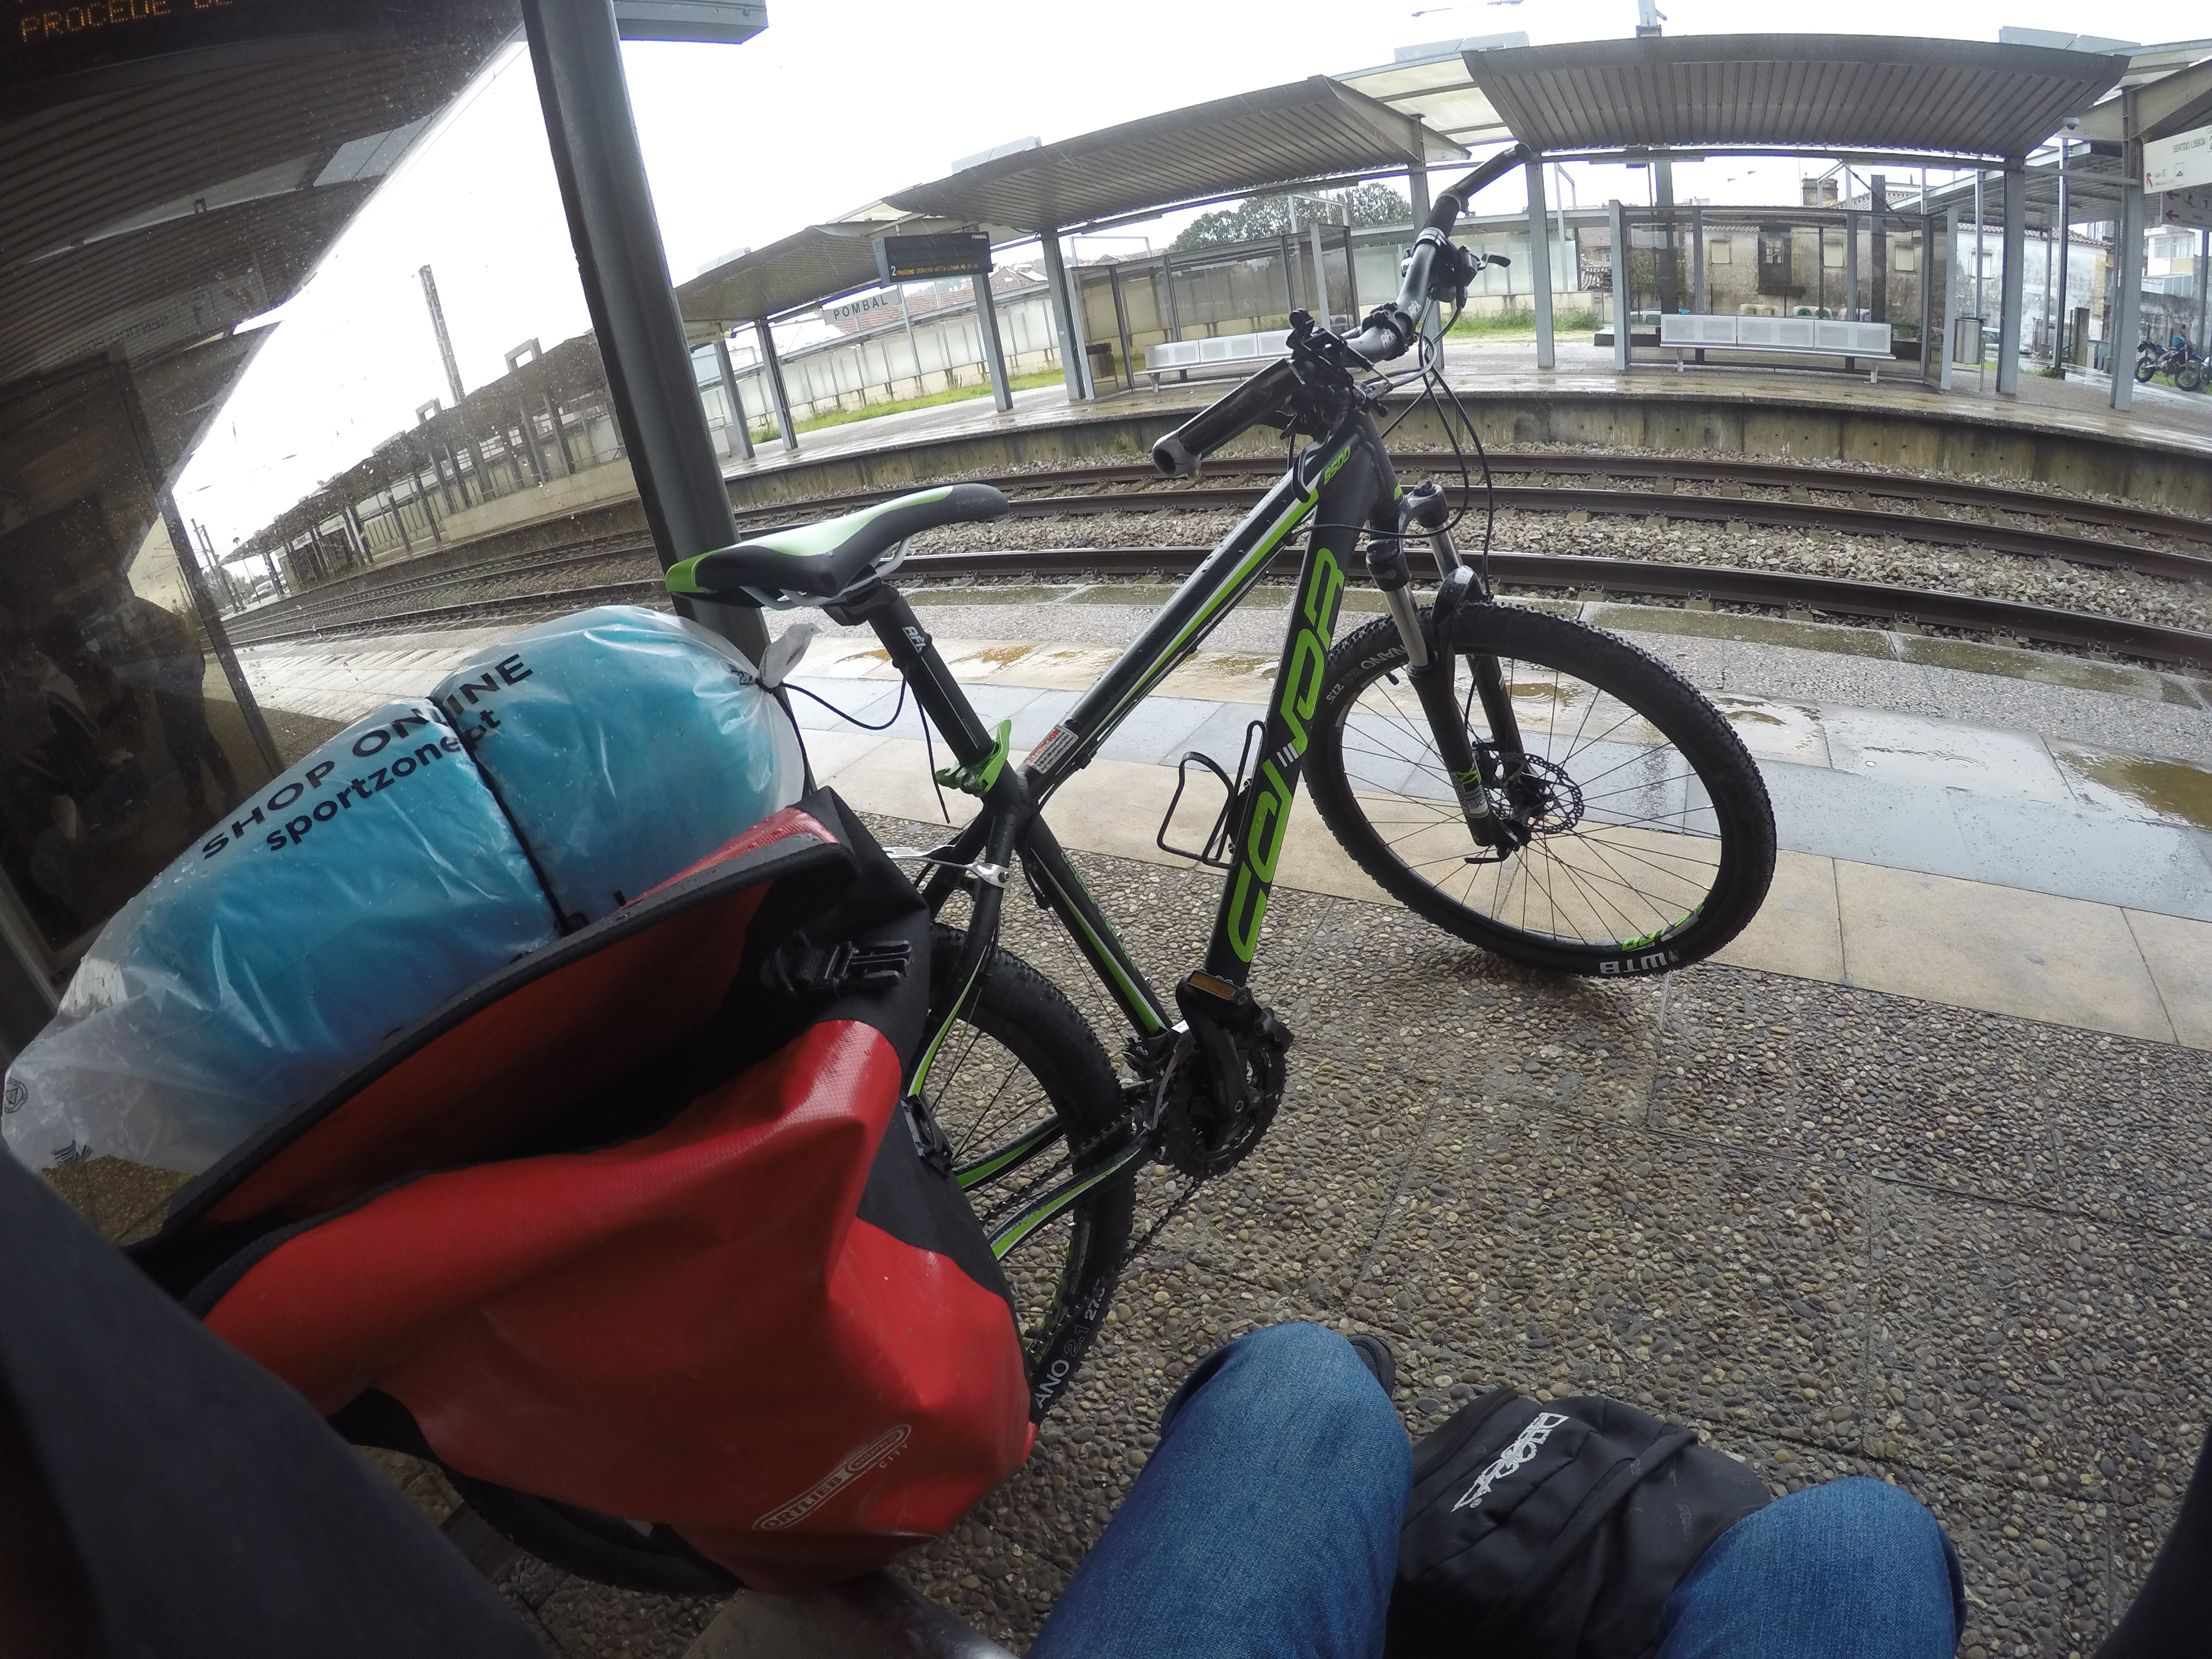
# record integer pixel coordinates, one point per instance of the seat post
(912, 652)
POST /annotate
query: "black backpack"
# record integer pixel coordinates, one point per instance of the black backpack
(1555, 1531)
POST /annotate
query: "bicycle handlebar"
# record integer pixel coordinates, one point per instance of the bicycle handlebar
(1388, 331)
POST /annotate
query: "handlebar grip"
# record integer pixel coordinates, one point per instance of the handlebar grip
(1178, 455)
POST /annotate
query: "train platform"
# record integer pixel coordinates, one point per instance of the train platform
(1984, 827)
(2162, 418)
(1906, 1184)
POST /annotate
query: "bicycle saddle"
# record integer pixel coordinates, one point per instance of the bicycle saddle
(821, 560)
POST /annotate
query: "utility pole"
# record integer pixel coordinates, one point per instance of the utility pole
(445, 339)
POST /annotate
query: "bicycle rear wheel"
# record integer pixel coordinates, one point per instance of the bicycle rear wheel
(1023, 1090)
(1653, 839)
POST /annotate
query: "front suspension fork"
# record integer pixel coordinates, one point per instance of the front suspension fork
(1474, 772)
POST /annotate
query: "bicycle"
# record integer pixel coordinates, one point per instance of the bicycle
(1567, 801)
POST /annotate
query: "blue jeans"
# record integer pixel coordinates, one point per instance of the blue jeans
(1264, 1524)
(1267, 1522)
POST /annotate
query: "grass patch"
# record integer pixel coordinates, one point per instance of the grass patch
(1524, 322)
(959, 394)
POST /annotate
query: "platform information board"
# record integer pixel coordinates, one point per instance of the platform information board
(2181, 162)
(916, 259)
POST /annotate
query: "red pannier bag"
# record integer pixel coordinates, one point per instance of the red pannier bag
(638, 1239)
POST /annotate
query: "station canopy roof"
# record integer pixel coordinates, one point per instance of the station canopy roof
(1316, 128)
(1774, 94)
(164, 177)
(821, 262)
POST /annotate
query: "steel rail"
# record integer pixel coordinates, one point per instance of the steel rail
(1850, 520)
(1764, 475)
(1585, 575)
(1856, 516)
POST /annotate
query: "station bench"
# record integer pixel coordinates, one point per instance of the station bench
(1809, 337)
(1233, 354)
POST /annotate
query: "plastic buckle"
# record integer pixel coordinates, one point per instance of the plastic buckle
(930, 1144)
(813, 970)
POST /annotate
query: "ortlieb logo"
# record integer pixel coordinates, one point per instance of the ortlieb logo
(1510, 1459)
(873, 1456)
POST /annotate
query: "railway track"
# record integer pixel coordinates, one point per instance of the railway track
(1585, 576)
(1936, 511)
(1871, 504)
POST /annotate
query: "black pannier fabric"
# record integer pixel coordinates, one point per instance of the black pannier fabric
(1555, 1530)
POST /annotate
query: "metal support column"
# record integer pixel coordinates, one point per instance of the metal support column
(2203, 285)
(1319, 274)
(560, 437)
(577, 58)
(772, 367)
(1350, 276)
(995, 352)
(2009, 295)
(741, 436)
(2063, 310)
(399, 523)
(1878, 248)
(1851, 266)
(1121, 327)
(445, 339)
(2127, 272)
(1698, 261)
(913, 349)
(1617, 219)
(1539, 262)
(188, 565)
(1954, 300)
(1074, 370)
(1670, 258)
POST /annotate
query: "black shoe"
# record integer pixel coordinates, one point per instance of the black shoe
(1375, 1354)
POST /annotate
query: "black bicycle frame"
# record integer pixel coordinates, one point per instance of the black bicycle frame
(1343, 487)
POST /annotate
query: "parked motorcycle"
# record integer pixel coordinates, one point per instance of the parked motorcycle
(2175, 358)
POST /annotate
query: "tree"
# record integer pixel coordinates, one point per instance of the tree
(1259, 216)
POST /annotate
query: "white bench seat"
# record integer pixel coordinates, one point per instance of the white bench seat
(1234, 353)
(1815, 336)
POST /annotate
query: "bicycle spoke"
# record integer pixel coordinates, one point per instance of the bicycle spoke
(1639, 850)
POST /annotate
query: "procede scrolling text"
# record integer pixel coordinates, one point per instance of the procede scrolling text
(292, 812)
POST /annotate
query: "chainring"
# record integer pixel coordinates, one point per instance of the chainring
(1199, 1136)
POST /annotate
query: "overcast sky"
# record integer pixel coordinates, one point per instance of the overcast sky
(839, 103)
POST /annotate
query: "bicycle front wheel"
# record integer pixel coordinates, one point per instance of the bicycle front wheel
(1650, 838)
(1026, 1095)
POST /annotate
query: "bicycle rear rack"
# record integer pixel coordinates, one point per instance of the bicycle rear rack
(1217, 839)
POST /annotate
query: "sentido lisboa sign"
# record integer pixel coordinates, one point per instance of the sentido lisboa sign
(2180, 162)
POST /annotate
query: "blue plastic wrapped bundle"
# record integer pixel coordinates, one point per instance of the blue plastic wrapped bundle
(625, 744)
(359, 891)
(547, 782)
